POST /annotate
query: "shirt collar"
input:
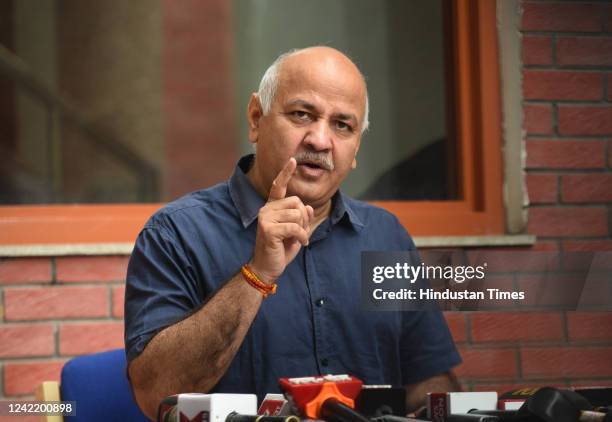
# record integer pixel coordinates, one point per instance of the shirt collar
(248, 202)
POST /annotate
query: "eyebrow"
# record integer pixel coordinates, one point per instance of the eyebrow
(311, 107)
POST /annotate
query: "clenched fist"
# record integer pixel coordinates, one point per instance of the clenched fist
(283, 227)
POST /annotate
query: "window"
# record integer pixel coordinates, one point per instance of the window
(471, 201)
(400, 47)
(476, 117)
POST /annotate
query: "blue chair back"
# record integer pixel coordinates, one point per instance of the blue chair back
(98, 384)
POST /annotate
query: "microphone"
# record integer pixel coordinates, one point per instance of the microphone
(468, 417)
(394, 418)
(191, 407)
(381, 400)
(329, 397)
(236, 417)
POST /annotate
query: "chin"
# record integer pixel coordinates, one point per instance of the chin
(311, 192)
(309, 197)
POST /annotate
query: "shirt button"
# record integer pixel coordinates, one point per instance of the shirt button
(324, 362)
(320, 302)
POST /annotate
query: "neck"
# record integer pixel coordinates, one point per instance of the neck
(320, 214)
(256, 180)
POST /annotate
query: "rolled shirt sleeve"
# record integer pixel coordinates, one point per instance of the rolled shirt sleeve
(161, 288)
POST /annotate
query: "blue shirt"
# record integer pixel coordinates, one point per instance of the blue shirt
(313, 324)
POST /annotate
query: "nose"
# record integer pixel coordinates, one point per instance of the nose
(319, 135)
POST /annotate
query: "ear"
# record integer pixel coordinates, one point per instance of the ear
(354, 163)
(254, 115)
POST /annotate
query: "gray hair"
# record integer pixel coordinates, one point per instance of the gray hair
(269, 84)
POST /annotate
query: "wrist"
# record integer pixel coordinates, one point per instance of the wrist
(253, 279)
(262, 275)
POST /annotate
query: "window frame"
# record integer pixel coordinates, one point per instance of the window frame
(477, 111)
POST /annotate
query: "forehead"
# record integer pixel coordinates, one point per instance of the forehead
(327, 82)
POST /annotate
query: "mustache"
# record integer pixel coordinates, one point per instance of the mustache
(321, 159)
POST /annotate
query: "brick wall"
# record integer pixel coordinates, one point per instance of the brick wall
(58, 307)
(567, 88)
(55, 308)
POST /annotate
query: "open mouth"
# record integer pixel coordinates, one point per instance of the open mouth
(311, 170)
(311, 165)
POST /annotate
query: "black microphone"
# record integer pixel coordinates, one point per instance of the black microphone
(471, 418)
(236, 417)
(381, 400)
(333, 410)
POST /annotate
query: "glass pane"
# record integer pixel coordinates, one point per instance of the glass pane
(400, 47)
(99, 140)
(111, 60)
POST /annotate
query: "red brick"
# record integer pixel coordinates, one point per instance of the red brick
(609, 96)
(487, 363)
(562, 85)
(552, 16)
(545, 246)
(589, 325)
(567, 290)
(585, 120)
(608, 19)
(83, 338)
(542, 188)
(118, 301)
(565, 154)
(456, 324)
(55, 302)
(586, 187)
(537, 50)
(559, 362)
(513, 260)
(22, 378)
(24, 340)
(504, 282)
(574, 221)
(584, 51)
(98, 268)
(601, 262)
(25, 270)
(587, 245)
(507, 326)
(538, 119)
(609, 153)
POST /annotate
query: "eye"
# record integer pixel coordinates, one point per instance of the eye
(300, 115)
(343, 126)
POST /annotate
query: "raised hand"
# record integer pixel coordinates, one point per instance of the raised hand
(283, 227)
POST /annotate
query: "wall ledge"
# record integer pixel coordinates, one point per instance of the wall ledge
(126, 248)
(474, 241)
(66, 249)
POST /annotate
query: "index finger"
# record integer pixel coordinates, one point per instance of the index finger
(279, 185)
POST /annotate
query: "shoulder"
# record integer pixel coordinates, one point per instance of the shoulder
(199, 205)
(380, 220)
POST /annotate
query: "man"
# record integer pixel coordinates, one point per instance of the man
(198, 319)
